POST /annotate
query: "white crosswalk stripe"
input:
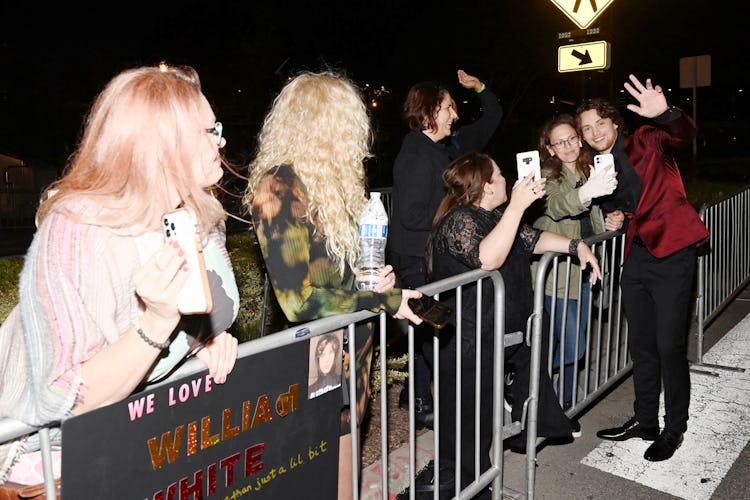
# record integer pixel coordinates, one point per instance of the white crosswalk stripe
(718, 429)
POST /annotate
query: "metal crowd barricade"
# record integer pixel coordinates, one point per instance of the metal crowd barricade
(501, 430)
(11, 429)
(606, 359)
(723, 271)
(724, 265)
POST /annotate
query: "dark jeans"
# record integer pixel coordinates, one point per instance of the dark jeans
(573, 335)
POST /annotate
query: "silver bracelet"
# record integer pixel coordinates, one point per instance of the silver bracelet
(151, 342)
(573, 247)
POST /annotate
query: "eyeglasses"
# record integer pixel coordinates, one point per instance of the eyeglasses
(216, 131)
(571, 141)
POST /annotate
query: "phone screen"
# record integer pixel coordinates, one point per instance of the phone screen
(431, 311)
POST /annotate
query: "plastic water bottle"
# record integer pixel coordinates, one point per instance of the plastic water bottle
(373, 233)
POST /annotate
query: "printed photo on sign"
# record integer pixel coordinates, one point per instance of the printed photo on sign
(325, 363)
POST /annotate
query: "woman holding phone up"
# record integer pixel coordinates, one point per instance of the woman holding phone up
(97, 314)
(477, 227)
(569, 209)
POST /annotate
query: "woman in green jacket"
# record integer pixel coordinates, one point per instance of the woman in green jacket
(572, 184)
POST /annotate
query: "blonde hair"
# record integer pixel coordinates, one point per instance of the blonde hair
(138, 146)
(319, 126)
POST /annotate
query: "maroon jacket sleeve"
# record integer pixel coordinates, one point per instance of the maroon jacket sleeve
(664, 219)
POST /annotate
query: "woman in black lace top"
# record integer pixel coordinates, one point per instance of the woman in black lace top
(475, 228)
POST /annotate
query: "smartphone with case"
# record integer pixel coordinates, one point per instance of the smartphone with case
(602, 161)
(431, 311)
(195, 297)
(527, 162)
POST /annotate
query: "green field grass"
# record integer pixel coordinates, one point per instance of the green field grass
(701, 192)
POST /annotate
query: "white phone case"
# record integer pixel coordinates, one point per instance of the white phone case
(526, 162)
(603, 160)
(195, 297)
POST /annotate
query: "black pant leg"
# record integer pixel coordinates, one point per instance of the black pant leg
(412, 273)
(449, 400)
(673, 292)
(641, 313)
(551, 419)
(656, 295)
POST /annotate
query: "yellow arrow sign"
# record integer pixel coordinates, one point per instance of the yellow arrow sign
(583, 56)
(582, 12)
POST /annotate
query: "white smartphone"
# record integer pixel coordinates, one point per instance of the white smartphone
(528, 162)
(602, 161)
(195, 297)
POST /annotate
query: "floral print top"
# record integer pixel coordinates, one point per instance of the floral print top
(305, 280)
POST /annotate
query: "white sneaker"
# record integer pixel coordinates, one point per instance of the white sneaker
(507, 394)
(576, 428)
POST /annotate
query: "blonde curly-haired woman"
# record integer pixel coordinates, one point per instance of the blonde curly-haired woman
(306, 193)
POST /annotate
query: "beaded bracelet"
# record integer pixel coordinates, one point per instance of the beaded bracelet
(573, 247)
(152, 343)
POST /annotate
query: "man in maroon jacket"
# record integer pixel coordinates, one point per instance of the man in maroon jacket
(663, 231)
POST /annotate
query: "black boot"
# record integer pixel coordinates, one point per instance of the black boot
(424, 483)
(423, 410)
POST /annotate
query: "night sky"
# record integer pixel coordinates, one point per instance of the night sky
(55, 59)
